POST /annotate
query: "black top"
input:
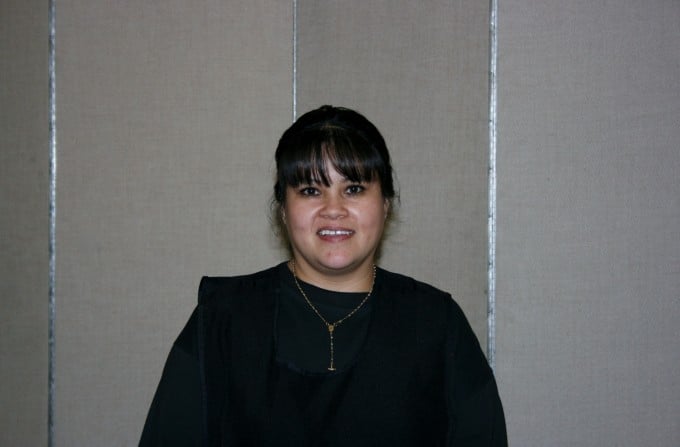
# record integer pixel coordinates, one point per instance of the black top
(416, 377)
(302, 339)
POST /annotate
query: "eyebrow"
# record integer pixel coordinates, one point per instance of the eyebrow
(344, 180)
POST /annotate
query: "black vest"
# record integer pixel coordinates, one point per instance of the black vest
(397, 393)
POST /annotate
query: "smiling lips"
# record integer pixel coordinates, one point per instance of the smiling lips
(334, 234)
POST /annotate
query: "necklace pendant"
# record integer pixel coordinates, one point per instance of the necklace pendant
(331, 326)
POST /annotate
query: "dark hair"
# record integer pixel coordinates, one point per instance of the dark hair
(343, 137)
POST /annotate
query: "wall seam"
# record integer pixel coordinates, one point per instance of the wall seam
(491, 298)
(52, 114)
(295, 33)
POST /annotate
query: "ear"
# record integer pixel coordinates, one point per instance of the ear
(283, 215)
(386, 207)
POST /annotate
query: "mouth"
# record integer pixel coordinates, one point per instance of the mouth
(332, 233)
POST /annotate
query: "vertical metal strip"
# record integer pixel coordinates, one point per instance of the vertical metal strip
(51, 19)
(295, 33)
(491, 304)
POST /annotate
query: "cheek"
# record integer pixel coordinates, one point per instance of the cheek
(295, 217)
(374, 218)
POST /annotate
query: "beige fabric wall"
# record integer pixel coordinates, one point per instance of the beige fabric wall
(589, 222)
(168, 116)
(420, 73)
(23, 222)
(168, 113)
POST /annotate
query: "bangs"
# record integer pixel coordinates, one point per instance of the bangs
(332, 138)
(350, 155)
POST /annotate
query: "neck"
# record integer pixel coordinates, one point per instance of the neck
(358, 280)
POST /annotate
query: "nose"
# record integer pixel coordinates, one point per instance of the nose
(334, 207)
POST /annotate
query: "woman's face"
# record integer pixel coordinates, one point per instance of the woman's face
(336, 229)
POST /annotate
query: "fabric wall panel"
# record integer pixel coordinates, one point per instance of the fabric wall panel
(421, 75)
(24, 167)
(169, 113)
(589, 222)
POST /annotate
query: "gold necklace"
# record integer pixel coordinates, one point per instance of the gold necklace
(331, 326)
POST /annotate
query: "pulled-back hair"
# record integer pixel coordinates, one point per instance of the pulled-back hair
(341, 137)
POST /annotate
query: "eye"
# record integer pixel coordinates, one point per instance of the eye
(308, 191)
(353, 190)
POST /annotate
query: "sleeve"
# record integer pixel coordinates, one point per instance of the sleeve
(174, 417)
(475, 411)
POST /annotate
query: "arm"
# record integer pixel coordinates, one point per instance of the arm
(174, 417)
(475, 410)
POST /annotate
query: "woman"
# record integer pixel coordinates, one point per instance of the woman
(327, 349)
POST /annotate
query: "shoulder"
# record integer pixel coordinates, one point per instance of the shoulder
(403, 284)
(216, 288)
(421, 297)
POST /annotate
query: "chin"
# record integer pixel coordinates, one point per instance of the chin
(341, 264)
(336, 265)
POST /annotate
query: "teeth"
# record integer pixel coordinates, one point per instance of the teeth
(335, 232)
